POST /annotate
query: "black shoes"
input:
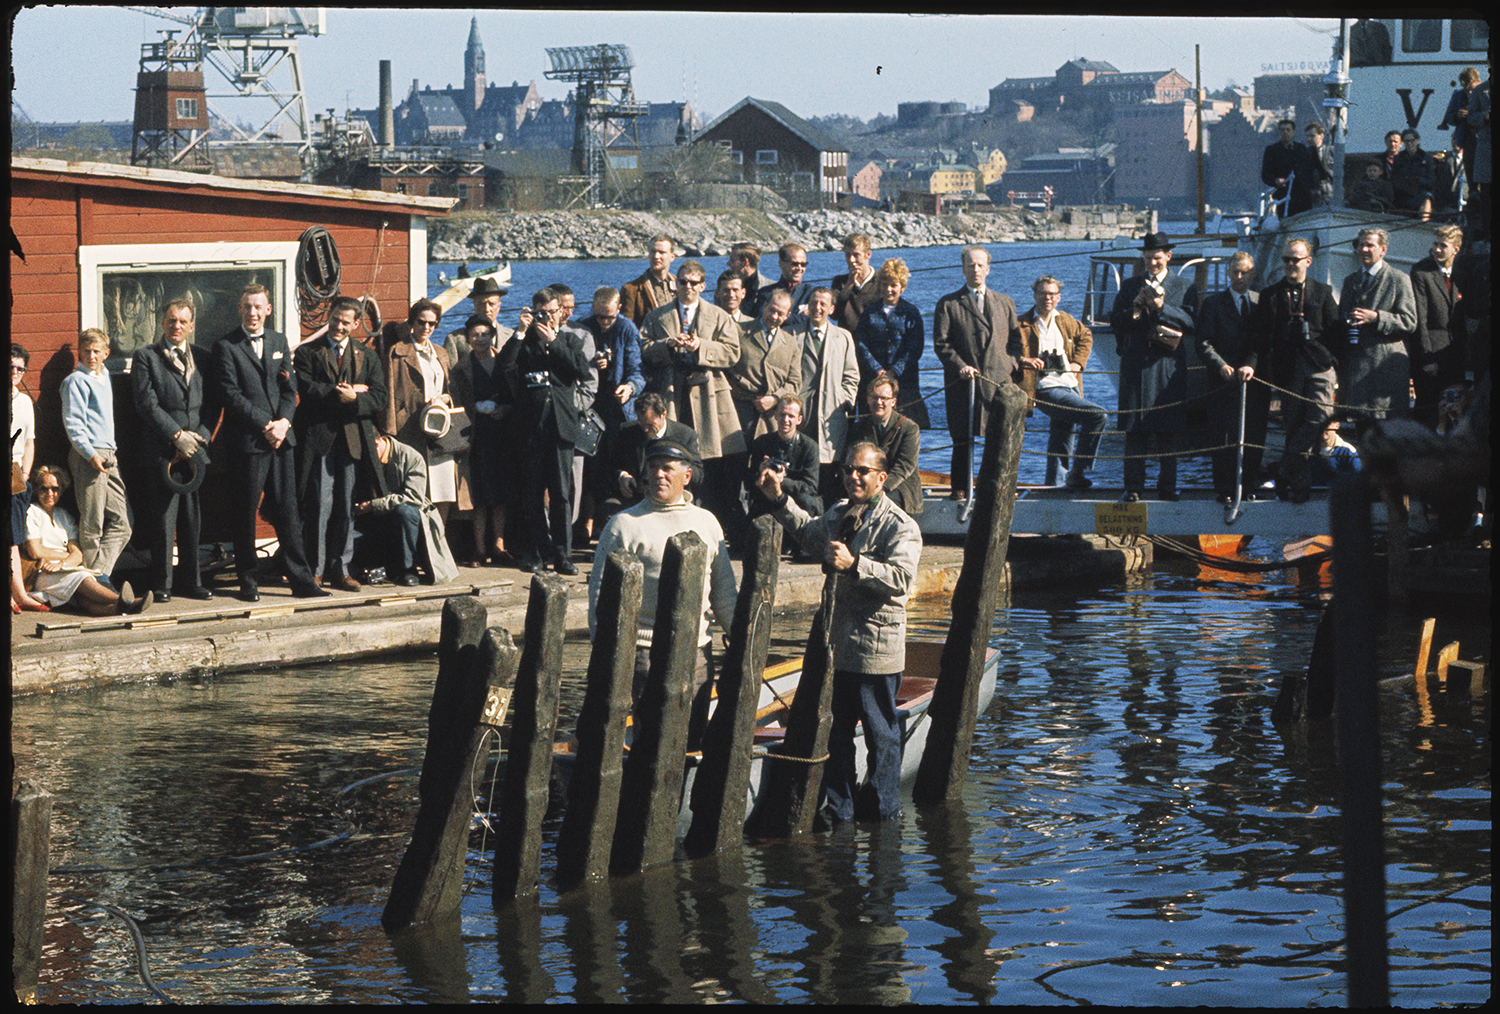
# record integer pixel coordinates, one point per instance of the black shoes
(248, 593)
(1079, 482)
(309, 591)
(566, 567)
(200, 593)
(407, 580)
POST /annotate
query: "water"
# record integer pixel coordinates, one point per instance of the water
(1133, 832)
(935, 273)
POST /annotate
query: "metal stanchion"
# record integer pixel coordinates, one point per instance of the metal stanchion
(1233, 513)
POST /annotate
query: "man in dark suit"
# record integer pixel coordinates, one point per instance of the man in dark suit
(1286, 165)
(177, 419)
(551, 363)
(1380, 312)
(1437, 351)
(971, 332)
(1296, 323)
(254, 381)
(793, 260)
(1153, 319)
(626, 470)
(1230, 351)
(342, 390)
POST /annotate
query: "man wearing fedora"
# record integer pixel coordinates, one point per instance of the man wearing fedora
(341, 388)
(177, 418)
(1153, 321)
(486, 296)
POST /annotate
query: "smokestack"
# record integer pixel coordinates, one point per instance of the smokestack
(387, 111)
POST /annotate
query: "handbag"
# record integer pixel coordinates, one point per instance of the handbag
(590, 432)
(454, 439)
(1166, 341)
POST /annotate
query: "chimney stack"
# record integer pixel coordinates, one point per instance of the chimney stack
(387, 111)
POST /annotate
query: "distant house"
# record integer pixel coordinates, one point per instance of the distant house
(1298, 96)
(866, 181)
(1155, 155)
(1235, 144)
(1089, 85)
(778, 149)
(1077, 176)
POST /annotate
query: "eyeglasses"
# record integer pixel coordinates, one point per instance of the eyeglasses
(884, 399)
(1294, 260)
(422, 323)
(693, 283)
(797, 264)
(859, 471)
(50, 489)
(17, 369)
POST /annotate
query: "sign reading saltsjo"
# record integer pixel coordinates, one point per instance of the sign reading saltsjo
(1120, 518)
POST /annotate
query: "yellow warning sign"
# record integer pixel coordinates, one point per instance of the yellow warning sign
(1120, 518)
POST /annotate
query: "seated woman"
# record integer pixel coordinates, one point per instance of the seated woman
(52, 541)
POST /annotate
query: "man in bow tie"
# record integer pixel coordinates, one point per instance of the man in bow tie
(252, 374)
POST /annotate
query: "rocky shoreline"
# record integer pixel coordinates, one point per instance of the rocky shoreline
(593, 235)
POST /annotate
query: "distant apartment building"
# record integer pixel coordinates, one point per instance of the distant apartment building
(865, 183)
(1297, 96)
(777, 149)
(1155, 155)
(1077, 176)
(1236, 143)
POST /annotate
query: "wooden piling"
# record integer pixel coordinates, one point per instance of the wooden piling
(30, 843)
(588, 827)
(955, 698)
(789, 801)
(528, 759)
(723, 779)
(651, 788)
(430, 878)
(1447, 655)
(1354, 586)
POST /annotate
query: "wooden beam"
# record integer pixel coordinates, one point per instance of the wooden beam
(723, 779)
(651, 791)
(955, 699)
(533, 722)
(588, 827)
(30, 843)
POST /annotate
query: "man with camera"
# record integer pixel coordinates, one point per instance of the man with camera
(1296, 319)
(1153, 318)
(1053, 348)
(870, 549)
(789, 453)
(551, 363)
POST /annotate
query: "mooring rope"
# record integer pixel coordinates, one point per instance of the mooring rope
(142, 964)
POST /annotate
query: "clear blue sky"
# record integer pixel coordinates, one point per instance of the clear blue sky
(79, 62)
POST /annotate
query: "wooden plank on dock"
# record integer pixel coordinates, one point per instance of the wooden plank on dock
(430, 876)
(30, 844)
(651, 789)
(723, 779)
(955, 699)
(533, 721)
(588, 827)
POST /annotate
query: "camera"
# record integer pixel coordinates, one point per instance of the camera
(777, 465)
(539, 378)
(1297, 330)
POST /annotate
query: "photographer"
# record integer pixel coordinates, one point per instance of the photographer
(1053, 348)
(1293, 319)
(791, 455)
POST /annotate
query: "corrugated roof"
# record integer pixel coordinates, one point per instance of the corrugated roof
(788, 119)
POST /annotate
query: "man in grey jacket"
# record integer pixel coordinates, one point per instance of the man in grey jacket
(870, 549)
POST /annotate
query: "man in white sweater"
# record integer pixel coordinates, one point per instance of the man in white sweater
(643, 531)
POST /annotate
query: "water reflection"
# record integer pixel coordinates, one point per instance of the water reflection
(1132, 824)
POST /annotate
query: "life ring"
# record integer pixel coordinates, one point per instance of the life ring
(372, 318)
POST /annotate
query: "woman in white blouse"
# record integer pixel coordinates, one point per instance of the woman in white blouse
(52, 541)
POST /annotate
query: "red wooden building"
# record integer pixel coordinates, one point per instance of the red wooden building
(107, 245)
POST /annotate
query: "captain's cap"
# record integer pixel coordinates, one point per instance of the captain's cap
(663, 448)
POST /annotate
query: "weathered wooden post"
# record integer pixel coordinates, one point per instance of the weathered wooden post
(651, 789)
(1358, 710)
(790, 799)
(955, 699)
(528, 761)
(430, 877)
(30, 843)
(588, 827)
(723, 778)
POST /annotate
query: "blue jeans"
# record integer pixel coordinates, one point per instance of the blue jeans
(1068, 409)
(871, 701)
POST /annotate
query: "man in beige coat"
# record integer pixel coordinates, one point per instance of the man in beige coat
(830, 387)
(770, 367)
(688, 347)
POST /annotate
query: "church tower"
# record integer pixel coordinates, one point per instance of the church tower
(474, 67)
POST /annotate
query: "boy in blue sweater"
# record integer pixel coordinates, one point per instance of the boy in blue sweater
(88, 409)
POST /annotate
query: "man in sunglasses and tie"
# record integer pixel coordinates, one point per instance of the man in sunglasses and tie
(870, 548)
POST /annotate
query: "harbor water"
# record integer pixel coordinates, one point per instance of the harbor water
(1133, 831)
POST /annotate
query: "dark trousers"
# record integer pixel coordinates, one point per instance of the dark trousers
(173, 512)
(963, 430)
(548, 473)
(1306, 411)
(328, 512)
(273, 475)
(720, 491)
(391, 539)
(871, 702)
(1224, 420)
(1138, 447)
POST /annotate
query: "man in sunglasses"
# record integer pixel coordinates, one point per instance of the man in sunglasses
(1296, 320)
(870, 549)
